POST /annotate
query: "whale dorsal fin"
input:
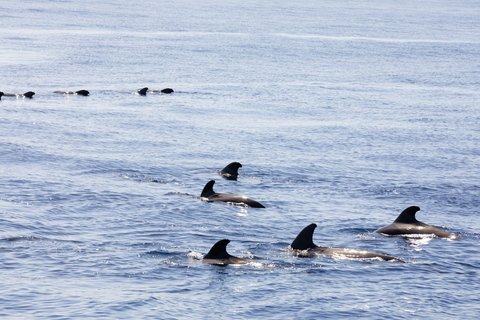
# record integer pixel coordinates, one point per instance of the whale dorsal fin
(142, 91)
(208, 189)
(218, 251)
(29, 94)
(1, 94)
(83, 92)
(231, 168)
(408, 215)
(304, 240)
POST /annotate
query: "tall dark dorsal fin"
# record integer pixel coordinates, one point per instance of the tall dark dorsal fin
(231, 169)
(1, 94)
(304, 240)
(219, 250)
(408, 215)
(208, 189)
(29, 94)
(142, 91)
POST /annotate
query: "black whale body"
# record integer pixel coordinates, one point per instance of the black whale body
(407, 224)
(230, 172)
(166, 90)
(213, 196)
(79, 92)
(304, 246)
(28, 94)
(218, 255)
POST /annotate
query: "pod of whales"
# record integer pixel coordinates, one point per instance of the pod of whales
(28, 94)
(230, 172)
(406, 224)
(212, 196)
(218, 255)
(79, 92)
(304, 246)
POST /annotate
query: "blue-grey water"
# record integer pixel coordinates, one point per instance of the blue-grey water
(343, 113)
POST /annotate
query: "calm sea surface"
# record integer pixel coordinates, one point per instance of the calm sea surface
(343, 113)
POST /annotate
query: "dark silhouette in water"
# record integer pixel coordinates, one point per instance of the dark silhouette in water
(230, 172)
(79, 92)
(166, 90)
(212, 196)
(304, 242)
(406, 224)
(218, 255)
(28, 94)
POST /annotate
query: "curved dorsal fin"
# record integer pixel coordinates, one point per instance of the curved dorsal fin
(1, 94)
(408, 215)
(304, 240)
(218, 251)
(142, 91)
(29, 94)
(208, 189)
(231, 168)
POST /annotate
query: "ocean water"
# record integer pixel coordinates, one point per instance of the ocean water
(342, 113)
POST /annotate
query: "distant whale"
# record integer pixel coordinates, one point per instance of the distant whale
(230, 172)
(406, 224)
(28, 94)
(1, 94)
(166, 90)
(79, 92)
(218, 255)
(142, 92)
(212, 196)
(304, 242)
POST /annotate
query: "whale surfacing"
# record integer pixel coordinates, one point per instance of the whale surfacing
(28, 94)
(406, 224)
(230, 172)
(218, 255)
(304, 246)
(213, 196)
(166, 90)
(79, 92)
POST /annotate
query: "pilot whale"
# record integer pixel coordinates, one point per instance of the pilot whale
(1, 94)
(230, 172)
(28, 94)
(142, 92)
(213, 196)
(406, 224)
(304, 243)
(79, 92)
(166, 90)
(218, 255)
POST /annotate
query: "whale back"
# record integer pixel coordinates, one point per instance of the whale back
(231, 170)
(83, 92)
(142, 91)
(304, 239)
(219, 250)
(1, 94)
(408, 215)
(208, 189)
(29, 94)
